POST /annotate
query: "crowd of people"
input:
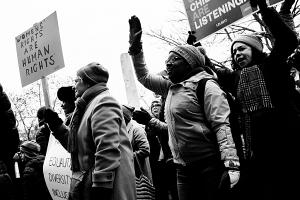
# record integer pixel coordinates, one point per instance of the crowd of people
(186, 144)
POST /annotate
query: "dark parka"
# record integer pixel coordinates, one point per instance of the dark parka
(9, 133)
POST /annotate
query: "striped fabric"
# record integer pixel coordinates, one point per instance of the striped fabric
(144, 188)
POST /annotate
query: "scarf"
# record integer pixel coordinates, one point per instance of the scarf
(252, 92)
(80, 107)
(252, 95)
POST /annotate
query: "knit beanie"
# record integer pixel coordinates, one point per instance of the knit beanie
(93, 73)
(191, 54)
(251, 40)
(30, 149)
(127, 112)
(66, 94)
(41, 115)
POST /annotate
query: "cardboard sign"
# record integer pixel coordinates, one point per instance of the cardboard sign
(57, 170)
(129, 80)
(208, 16)
(39, 50)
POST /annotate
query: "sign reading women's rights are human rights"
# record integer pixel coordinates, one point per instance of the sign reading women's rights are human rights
(39, 50)
(208, 16)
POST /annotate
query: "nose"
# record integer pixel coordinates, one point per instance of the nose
(169, 66)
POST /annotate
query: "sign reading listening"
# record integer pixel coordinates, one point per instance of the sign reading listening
(208, 16)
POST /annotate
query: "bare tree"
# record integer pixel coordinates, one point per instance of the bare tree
(27, 103)
(251, 24)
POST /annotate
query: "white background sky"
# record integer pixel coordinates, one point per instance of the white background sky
(90, 30)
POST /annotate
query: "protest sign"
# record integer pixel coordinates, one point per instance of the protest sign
(208, 16)
(57, 170)
(129, 80)
(39, 50)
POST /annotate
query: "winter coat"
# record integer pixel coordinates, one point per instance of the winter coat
(6, 185)
(269, 125)
(42, 138)
(104, 148)
(141, 148)
(190, 138)
(9, 133)
(33, 182)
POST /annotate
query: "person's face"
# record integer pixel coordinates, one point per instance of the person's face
(242, 54)
(177, 67)
(80, 87)
(156, 109)
(68, 107)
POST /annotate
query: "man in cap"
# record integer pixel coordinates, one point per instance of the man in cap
(101, 153)
(67, 96)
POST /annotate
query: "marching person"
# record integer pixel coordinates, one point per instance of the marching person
(101, 153)
(268, 110)
(202, 150)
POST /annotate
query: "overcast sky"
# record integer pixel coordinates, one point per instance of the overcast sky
(90, 30)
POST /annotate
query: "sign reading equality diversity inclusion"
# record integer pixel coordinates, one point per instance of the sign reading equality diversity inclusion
(57, 170)
(208, 16)
(39, 50)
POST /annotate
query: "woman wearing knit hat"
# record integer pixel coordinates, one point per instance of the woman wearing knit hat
(101, 153)
(202, 150)
(264, 92)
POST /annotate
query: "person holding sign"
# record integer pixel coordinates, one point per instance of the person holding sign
(269, 118)
(101, 153)
(203, 150)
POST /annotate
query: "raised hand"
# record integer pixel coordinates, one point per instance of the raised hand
(135, 34)
(262, 4)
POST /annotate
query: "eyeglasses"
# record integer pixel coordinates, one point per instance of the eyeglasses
(78, 79)
(173, 59)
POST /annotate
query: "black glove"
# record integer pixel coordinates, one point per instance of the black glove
(191, 38)
(141, 116)
(262, 4)
(101, 193)
(135, 34)
(52, 119)
(287, 4)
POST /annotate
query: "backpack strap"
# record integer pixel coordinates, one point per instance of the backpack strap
(200, 90)
(200, 95)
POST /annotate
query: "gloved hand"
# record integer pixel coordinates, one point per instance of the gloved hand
(141, 116)
(135, 34)
(262, 4)
(234, 176)
(52, 119)
(101, 193)
(191, 38)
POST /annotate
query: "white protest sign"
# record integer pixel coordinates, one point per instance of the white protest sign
(208, 16)
(57, 170)
(39, 50)
(129, 80)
